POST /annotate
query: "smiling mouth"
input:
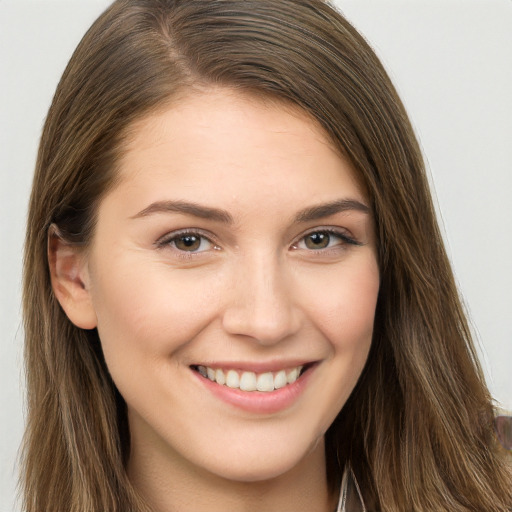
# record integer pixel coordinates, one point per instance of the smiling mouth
(252, 381)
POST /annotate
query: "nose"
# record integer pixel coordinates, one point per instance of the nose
(261, 304)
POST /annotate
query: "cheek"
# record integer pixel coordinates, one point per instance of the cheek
(146, 309)
(343, 309)
(345, 315)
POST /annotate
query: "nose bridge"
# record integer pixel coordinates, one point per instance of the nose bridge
(261, 305)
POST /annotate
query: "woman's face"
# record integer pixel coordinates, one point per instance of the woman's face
(238, 247)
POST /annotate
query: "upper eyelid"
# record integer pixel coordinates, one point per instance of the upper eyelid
(318, 229)
(335, 230)
(211, 237)
(185, 231)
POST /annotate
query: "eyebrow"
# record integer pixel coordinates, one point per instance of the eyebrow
(187, 208)
(216, 214)
(326, 210)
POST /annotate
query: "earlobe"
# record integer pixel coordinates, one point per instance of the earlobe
(70, 280)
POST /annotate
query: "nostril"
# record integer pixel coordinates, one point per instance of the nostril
(264, 325)
(261, 304)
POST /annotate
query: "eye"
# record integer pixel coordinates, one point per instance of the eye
(323, 239)
(191, 242)
(318, 240)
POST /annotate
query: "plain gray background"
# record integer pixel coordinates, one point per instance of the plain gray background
(451, 62)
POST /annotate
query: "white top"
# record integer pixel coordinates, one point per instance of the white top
(351, 499)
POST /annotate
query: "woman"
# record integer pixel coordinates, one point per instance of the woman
(236, 294)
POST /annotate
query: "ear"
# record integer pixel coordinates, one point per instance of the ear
(70, 280)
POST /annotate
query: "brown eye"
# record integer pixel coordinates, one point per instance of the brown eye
(319, 240)
(188, 243)
(324, 239)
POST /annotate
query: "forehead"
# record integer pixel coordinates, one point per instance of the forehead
(223, 111)
(232, 144)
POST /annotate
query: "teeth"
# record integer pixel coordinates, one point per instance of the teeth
(280, 380)
(220, 377)
(232, 379)
(250, 381)
(265, 382)
(293, 375)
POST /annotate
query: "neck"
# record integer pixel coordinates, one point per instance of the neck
(168, 482)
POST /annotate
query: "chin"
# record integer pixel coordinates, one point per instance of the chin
(256, 472)
(266, 464)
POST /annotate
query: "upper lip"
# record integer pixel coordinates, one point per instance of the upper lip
(257, 367)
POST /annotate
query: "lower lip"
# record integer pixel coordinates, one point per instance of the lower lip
(259, 402)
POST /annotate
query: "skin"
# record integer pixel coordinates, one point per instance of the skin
(254, 290)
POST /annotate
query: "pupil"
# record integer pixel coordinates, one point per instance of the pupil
(188, 242)
(317, 241)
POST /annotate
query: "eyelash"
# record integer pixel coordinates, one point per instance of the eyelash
(169, 240)
(343, 237)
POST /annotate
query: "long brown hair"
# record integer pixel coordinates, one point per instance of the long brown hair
(418, 428)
